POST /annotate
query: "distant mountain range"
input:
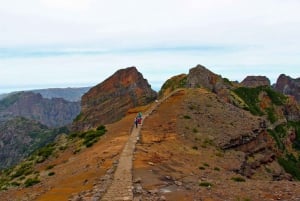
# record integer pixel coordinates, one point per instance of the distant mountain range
(69, 94)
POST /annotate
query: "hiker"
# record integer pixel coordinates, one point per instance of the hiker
(136, 121)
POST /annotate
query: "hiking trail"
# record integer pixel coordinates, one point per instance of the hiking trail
(122, 185)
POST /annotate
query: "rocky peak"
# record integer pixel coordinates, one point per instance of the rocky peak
(288, 86)
(110, 100)
(256, 81)
(200, 76)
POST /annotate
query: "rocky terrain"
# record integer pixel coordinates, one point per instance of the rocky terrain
(54, 112)
(256, 81)
(289, 86)
(110, 100)
(205, 139)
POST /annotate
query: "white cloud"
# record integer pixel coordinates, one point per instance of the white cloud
(256, 35)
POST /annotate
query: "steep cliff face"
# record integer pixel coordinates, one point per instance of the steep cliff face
(54, 112)
(110, 100)
(289, 86)
(256, 81)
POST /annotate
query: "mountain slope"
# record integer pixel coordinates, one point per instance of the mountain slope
(19, 137)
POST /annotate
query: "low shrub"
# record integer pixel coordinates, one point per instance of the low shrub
(238, 179)
(205, 184)
(31, 181)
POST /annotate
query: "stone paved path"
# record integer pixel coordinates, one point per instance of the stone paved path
(121, 187)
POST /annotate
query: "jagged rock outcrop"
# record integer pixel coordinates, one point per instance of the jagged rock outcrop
(54, 112)
(256, 81)
(289, 86)
(110, 100)
(200, 76)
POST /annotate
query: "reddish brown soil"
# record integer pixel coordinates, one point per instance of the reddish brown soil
(172, 159)
(173, 165)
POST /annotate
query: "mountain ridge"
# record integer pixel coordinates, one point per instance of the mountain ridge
(210, 140)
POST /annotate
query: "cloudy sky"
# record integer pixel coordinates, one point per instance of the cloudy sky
(73, 43)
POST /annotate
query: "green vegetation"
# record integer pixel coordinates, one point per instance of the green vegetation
(44, 152)
(31, 181)
(90, 137)
(23, 169)
(238, 179)
(251, 97)
(205, 184)
(277, 138)
(9, 100)
(291, 165)
(179, 81)
(271, 114)
(296, 126)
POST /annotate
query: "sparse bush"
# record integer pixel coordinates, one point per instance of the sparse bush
(201, 168)
(31, 181)
(15, 183)
(238, 179)
(205, 184)
(50, 167)
(206, 164)
(51, 173)
(186, 117)
(24, 169)
(195, 147)
(217, 169)
(195, 130)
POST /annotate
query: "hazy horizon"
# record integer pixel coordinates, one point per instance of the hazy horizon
(79, 43)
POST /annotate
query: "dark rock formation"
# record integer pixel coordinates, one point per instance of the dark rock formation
(288, 86)
(200, 76)
(54, 112)
(110, 100)
(256, 81)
